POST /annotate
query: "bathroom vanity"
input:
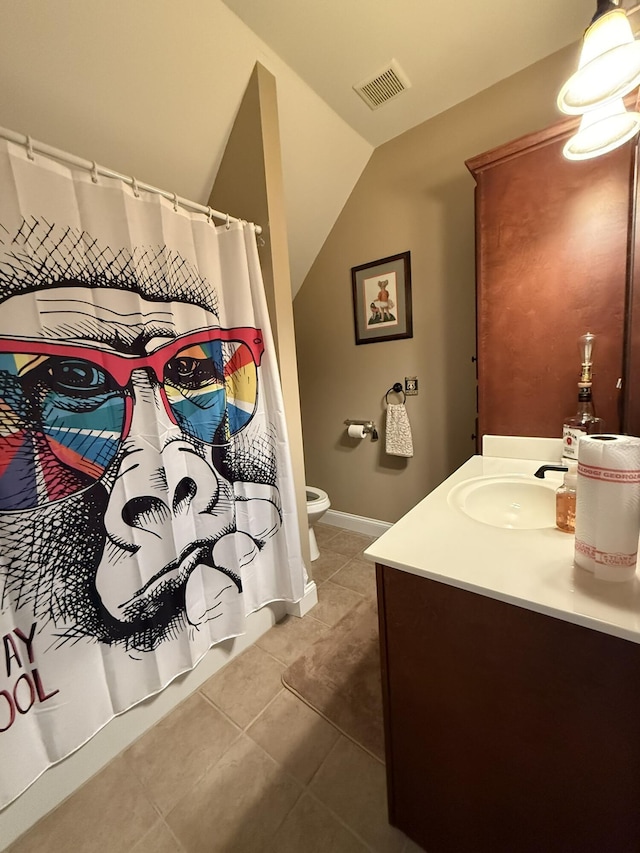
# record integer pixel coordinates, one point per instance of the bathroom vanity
(511, 681)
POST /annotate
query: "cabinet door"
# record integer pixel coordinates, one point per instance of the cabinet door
(506, 731)
(551, 265)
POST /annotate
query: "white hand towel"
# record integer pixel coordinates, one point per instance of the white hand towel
(399, 441)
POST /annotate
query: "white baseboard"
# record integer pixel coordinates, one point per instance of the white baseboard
(308, 600)
(356, 523)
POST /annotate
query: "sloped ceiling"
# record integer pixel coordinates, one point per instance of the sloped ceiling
(449, 51)
(150, 88)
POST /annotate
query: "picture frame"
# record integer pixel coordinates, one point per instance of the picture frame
(382, 299)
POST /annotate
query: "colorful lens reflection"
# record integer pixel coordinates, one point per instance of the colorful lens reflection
(61, 423)
(212, 390)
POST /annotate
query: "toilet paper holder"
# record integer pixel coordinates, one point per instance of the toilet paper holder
(369, 427)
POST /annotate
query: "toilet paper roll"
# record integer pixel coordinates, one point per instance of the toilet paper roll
(356, 431)
(608, 505)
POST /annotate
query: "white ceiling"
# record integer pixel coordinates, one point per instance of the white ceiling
(448, 51)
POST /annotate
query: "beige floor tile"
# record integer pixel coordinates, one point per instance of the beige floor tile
(352, 784)
(327, 565)
(325, 533)
(158, 840)
(358, 575)
(238, 805)
(294, 735)
(334, 602)
(311, 828)
(350, 544)
(245, 685)
(171, 757)
(107, 815)
(289, 638)
(245, 800)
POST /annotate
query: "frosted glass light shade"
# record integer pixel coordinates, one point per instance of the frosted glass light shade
(602, 130)
(609, 65)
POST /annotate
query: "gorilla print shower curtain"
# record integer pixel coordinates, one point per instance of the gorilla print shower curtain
(146, 497)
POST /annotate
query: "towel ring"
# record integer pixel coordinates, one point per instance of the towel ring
(397, 389)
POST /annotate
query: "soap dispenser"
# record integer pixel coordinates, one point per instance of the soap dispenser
(566, 499)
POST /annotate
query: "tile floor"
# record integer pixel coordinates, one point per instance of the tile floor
(242, 765)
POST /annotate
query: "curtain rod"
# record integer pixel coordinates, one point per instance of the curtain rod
(55, 153)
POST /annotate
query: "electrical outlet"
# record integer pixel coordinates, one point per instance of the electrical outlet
(410, 385)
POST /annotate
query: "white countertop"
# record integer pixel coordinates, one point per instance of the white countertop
(529, 568)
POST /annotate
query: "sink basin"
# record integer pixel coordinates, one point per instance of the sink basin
(512, 501)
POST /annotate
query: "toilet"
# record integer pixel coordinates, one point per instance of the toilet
(317, 504)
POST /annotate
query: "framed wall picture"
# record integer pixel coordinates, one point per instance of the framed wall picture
(382, 299)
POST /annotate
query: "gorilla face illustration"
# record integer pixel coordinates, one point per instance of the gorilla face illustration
(122, 503)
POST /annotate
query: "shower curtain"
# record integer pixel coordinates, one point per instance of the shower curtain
(146, 494)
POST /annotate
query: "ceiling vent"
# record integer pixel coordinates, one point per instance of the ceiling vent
(386, 84)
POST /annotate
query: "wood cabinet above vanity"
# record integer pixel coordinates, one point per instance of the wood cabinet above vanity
(552, 243)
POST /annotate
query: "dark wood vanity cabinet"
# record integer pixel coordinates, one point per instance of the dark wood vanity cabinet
(551, 264)
(507, 731)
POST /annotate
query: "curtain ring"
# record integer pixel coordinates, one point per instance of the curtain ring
(228, 224)
(209, 216)
(175, 202)
(94, 172)
(136, 191)
(30, 153)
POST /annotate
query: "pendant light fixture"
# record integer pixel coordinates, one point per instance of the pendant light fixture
(609, 66)
(601, 130)
(609, 69)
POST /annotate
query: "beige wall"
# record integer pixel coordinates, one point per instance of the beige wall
(415, 194)
(250, 179)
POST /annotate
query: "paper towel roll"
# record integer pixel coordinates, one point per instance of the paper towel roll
(356, 431)
(608, 505)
